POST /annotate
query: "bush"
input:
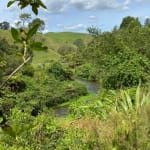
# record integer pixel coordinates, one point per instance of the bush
(17, 85)
(28, 70)
(65, 50)
(127, 72)
(87, 71)
(59, 72)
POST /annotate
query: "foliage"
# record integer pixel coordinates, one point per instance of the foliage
(60, 72)
(87, 71)
(129, 21)
(65, 49)
(95, 32)
(79, 42)
(37, 21)
(10, 57)
(22, 4)
(28, 70)
(113, 119)
(4, 25)
(121, 56)
(25, 18)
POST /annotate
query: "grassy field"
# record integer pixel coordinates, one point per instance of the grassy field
(67, 36)
(41, 57)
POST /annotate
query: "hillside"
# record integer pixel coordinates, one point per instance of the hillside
(53, 41)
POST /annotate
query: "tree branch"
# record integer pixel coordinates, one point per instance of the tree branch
(15, 71)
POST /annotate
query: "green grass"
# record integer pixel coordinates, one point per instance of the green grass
(41, 57)
(67, 36)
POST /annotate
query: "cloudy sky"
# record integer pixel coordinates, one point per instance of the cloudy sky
(77, 15)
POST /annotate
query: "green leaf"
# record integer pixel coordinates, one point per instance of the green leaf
(137, 97)
(23, 5)
(34, 9)
(1, 119)
(10, 3)
(15, 34)
(42, 5)
(33, 31)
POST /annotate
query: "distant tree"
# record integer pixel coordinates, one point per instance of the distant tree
(115, 28)
(128, 20)
(4, 25)
(38, 21)
(147, 22)
(79, 42)
(94, 31)
(65, 50)
(25, 18)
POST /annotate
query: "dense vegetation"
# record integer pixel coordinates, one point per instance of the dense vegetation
(116, 118)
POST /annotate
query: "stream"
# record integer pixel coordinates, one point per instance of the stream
(92, 87)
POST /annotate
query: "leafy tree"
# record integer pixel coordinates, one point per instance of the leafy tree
(65, 50)
(121, 56)
(128, 20)
(79, 42)
(4, 25)
(38, 21)
(25, 17)
(94, 31)
(147, 22)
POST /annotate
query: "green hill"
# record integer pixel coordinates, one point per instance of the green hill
(67, 36)
(53, 40)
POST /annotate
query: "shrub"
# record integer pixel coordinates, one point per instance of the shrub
(126, 71)
(28, 70)
(17, 85)
(87, 71)
(60, 72)
(65, 50)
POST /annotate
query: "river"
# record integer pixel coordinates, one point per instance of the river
(92, 87)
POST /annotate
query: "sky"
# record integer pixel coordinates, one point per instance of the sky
(78, 15)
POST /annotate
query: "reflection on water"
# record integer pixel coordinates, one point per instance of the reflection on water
(92, 87)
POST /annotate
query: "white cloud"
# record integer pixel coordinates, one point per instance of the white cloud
(147, 17)
(94, 4)
(62, 5)
(92, 17)
(76, 27)
(58, 6)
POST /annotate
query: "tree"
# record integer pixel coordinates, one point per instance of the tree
(38, 21)
(79, 42)
(94, 31)
(128, 20)
(23, 36)
(25, 18)
(147, 22)
(4, 25)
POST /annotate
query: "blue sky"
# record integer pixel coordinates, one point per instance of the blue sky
(77, 15)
